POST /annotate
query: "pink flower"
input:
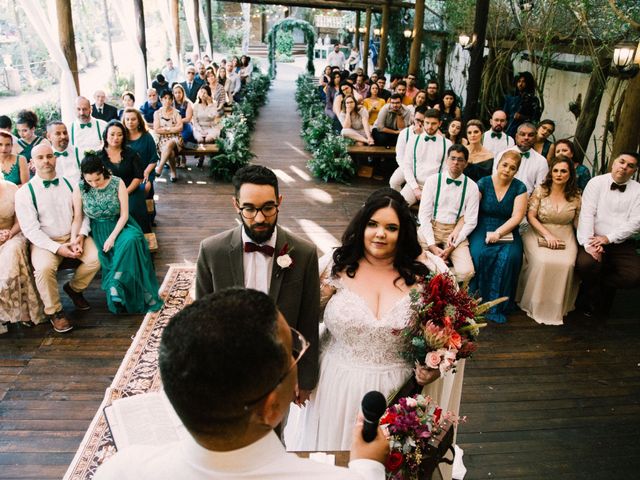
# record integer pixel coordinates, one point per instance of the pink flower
(432, 360)
(455, 341)
(412, 402)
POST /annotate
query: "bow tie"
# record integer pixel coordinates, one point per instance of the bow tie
(254, 247)
(59, 154)
(496, 135)
(615, 186)
(456, 182)
(53, 182)
(83, 125)
(525, 154)
(430, 138)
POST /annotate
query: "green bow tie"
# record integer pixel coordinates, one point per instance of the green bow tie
(496, 135)
(88, 125)
(451, 180)
(427, 138)
(525, 154)
(53, 182)
(61, 154)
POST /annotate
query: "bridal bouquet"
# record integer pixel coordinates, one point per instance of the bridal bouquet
(419, 436)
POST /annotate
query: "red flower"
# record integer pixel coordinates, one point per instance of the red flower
(394, 461)
(455, 341)
(389, 418)
(436, 415)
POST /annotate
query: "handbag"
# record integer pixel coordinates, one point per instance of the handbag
(542, 242)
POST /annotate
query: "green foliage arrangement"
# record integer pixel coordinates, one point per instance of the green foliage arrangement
(288, 25)
(330, 161)
(235, 135)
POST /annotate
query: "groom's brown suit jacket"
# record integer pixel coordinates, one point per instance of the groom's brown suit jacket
(296, 290)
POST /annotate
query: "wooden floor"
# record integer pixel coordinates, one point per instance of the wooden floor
(543, 402)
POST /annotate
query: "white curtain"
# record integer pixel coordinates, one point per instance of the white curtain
(126, 16)
(163, 8)
(191, 24)
(205, 31)
(246, 27)
(45, 25)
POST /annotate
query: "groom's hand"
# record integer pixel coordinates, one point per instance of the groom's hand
(301, 397)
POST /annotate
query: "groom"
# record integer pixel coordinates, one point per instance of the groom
(261, 256)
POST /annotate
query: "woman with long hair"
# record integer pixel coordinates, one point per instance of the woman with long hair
(128, 276)
(331, 91)
(566, 148)
(26, 124)
(543, 145)
(13, 167)
(205, 117)
(128, 101)
(480, 158)
(449, 109)
(355, 122)
(167, 124)
(523, 106)
(548, 288)
(373, 103)
(454, 132)
(185, 107)
(217, 92)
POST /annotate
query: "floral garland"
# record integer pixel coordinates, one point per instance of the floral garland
(288, 25)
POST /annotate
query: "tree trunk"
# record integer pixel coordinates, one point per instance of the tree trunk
(628, 134)
(365, 46)
(442, 62)
(591, 103)
(384, 37)
(207, 18)
(416, 44)
(356, 42)
(67, 38)
(175, 16)
(141, 35)
(477, 54)
(196, 22)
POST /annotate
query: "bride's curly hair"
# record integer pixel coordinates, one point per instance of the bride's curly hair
(346, 257)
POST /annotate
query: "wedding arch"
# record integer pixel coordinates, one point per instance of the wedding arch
(288, 25)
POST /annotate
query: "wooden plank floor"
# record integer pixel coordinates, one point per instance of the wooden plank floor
(542, 402)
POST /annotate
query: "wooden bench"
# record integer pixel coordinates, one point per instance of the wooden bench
(201, 149)
(362, 151)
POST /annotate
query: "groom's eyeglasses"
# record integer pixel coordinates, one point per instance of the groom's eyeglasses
(299, 347)
(250, 212)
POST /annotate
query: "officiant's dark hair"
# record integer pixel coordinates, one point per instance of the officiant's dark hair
(408, 249)
(219, 354)
(256, 174)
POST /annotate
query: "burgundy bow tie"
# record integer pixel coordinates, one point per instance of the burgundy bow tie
(253, 247)
(615, 186)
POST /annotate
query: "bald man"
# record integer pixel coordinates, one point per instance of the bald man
(102, 110)
(87, 132)
(44, 207)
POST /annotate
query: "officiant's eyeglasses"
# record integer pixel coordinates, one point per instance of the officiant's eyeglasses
(299, 346)
(250, 212)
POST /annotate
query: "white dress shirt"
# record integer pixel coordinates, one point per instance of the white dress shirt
(265, 459)
(257, 266)
(423, 158)
(172, 75)
(451, 205)
(609, 212)
(53, 217)
(406, 137)
(336, 59)
(497, 144)
(68, 166)
(88, 138)
(533, 170)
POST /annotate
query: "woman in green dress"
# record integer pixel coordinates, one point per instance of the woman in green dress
(128, 274)
(26, 124)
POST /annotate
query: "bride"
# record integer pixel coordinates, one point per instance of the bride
(365, 285)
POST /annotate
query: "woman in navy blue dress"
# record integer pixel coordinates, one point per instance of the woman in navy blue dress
(497, 260)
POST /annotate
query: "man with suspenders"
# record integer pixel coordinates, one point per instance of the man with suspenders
(67, 157)
(406, 137)
(87, 133)
(44, 208)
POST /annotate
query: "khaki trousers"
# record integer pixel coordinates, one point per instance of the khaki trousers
(45, 269)
(460, 257)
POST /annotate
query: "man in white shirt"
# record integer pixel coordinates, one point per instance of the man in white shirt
(171, 74)
(336, 58)
(67, 158)
(424, 157)
(406, 137)
(534, 167)
(87, 133)
(496, 138)
(228, 366)
(449, 213)
(609, 217)
(44, 207)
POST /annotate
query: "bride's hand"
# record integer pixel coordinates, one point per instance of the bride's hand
(424, 375)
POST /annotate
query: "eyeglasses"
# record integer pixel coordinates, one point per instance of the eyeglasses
(250, 212)
(299, 346)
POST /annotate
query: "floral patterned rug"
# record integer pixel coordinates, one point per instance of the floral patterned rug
(138, 372)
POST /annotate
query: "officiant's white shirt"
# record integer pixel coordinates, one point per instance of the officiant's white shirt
(257, 266)
(265, 459)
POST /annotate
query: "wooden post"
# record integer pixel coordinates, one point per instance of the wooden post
(357, 32)
(627, 134)
(416, 44)
(384, 37)
(196, 19)
(207, 18)
(442, 62)
(140, 31)
(475, 67)
(67, 38)
(175, 17)
(365, 47)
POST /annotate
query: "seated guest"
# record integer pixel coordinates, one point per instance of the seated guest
(26, 124)
(217, 94)
(384, 93)
(449, 109)
(202, 72)
(393, 81)
(449, 213)
(523, 106)
(232, 85)
(325, 77)
(126, 164)
(67, 158)
(391, 119)
(496, 139)
(87, 132)
(171, 73)
(418, 101)
(361, 87)
(373, 78)
(355, 122)
(610, 216)
(425, 157)
(167, 124)
(13, 167)
(128, 101)
(128, 276)
(533, 169)
(401, 89)
(480, 158)
(412, 90)
(6, 125)
(44, 208)
(454, 132)
(185, 107)
(346, 89)
(373, 103)
(497, 261)
(102, 110)
(243, 330)
(406, 137)
(566, 148)
(331, 91)
(160, 83)
(548, 288)
(246, 69)
(433, 96)
(354, 58)
(19, 301)
(543, 145)
(205, 117)
(192, 84)
(151, 106)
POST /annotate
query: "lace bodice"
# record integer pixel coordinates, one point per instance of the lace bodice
(102, 204)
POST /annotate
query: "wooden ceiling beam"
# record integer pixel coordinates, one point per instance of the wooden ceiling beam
(333, 4)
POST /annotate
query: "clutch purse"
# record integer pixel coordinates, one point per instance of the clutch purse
(508, 238)
(542, 242)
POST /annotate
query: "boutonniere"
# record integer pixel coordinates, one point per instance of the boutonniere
(283, 259)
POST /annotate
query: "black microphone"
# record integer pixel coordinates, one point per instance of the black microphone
(373, 406)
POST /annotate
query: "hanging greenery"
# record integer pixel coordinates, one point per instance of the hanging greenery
(288, 25)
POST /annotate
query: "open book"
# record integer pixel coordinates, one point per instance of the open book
(147, 419)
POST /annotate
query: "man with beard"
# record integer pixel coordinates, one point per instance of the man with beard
(265, 257)
(67, 159)
(87, 132)
(497, 139)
